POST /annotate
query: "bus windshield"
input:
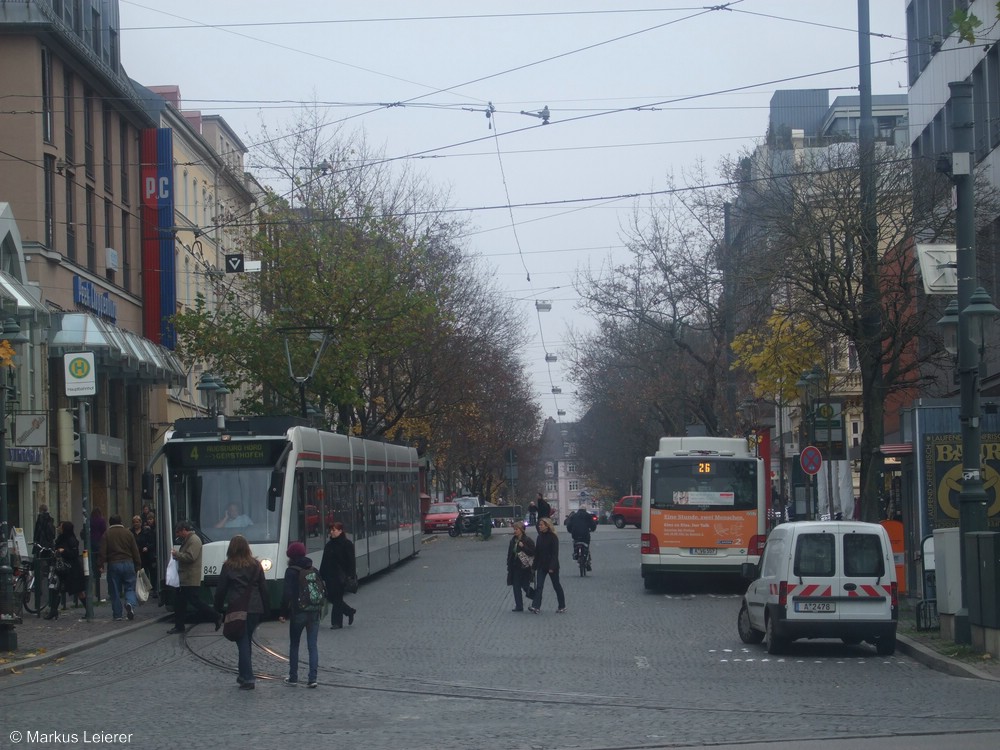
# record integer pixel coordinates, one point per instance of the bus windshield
(222, 502)
(703, 482)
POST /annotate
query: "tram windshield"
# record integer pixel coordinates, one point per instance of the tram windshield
(223, 502)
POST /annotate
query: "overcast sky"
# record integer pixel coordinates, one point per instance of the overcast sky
(637, 90)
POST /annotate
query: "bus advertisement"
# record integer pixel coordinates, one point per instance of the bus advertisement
(703, 507)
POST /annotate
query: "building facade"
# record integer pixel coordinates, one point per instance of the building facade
(72, 233)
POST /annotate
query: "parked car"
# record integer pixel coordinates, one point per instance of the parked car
(440, 517)
(628, 510)
(467, 504)
(822, 579)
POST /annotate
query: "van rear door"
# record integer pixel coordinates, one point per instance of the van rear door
(866, 576)
(814, 586)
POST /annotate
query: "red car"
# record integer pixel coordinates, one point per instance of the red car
(628, 510)
(440, 517)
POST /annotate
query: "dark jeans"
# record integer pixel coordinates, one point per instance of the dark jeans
(244, 647)
(338, 607)
(521, 582)
(189, 595)
(310, 622)
(540, 584)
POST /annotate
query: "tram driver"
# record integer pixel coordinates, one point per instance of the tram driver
(235, 518)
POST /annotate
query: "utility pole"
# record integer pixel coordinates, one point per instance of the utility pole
(871, 318)
(972, 514)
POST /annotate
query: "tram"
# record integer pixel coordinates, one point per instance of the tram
(276, 480)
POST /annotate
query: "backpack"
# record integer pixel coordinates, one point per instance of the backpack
(312, 591)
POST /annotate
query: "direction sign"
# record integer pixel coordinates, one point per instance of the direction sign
(234, 263)
(811, 459)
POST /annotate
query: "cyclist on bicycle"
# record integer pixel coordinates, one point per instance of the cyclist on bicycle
(580, 524)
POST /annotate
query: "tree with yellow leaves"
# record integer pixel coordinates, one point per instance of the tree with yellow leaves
(775, 354)
(6, 354)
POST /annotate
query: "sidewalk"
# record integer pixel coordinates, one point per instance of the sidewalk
(40, 641)
(930, 649)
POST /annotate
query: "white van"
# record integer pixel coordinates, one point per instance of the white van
(822, 579)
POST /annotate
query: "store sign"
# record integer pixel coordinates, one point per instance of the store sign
(944, 474)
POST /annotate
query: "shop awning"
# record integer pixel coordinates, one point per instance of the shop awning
(127, 354)
(26, 301)
(895, 449)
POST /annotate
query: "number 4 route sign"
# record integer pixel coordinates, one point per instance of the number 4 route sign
(811, 459)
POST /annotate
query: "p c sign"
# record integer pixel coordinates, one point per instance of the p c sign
(156, 188)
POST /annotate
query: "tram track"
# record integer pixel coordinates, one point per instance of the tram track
(378, 682)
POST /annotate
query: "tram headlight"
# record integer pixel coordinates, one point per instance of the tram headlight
(266, 564)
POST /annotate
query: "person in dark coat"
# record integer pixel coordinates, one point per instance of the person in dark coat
(98, 526)
(72, 580)
(544, 509)
(518, 576)
(547, 565)
(337, 564)
(242, 573)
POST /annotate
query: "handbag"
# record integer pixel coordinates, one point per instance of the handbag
(235, 623)
(173, 574)
(526, 560)
(142, 585)
(61, 566)
(351, 584)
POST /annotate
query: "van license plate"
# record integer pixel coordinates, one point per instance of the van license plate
(815, 606)
(703, 551)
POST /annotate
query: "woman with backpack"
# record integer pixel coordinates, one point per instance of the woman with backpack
(337, 566)
(242, 587)
(299, 609)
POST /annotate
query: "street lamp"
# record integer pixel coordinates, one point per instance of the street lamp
(965, 335)
(10, 333)
(214, 389)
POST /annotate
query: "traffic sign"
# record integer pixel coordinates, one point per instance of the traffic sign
(81, 378)
(234, 263)
(811, 459)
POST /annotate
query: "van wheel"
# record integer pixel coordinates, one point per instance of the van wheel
(651, 582)
(619, 522)
(748, 634)
(774, 644)
(886, 646)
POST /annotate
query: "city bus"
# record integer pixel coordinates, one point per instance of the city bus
(703, 508)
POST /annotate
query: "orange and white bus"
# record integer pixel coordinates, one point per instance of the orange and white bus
(703, 508)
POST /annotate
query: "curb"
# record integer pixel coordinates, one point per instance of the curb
(939, 662)
(72, 648)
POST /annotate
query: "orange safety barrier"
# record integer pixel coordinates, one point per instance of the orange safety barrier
(896, 539)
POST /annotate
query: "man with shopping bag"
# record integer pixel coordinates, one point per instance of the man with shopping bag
(188, 559)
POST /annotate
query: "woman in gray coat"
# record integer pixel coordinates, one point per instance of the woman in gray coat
(241, 573)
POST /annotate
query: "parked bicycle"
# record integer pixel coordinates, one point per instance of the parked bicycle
(26, 583)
